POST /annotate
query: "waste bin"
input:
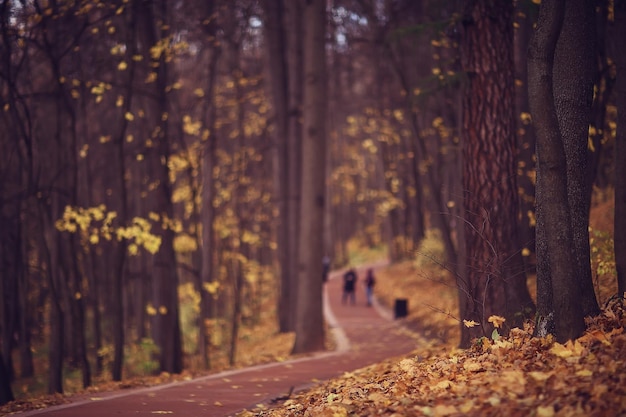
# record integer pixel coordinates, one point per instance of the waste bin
(401, 308)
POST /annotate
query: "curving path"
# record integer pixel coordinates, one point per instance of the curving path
(364, 336)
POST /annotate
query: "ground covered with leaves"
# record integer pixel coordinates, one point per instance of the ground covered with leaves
(514, 376)
(517, 375)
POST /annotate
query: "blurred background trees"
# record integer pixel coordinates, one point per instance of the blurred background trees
(150, 192)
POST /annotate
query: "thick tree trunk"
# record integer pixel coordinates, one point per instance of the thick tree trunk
(279, 84)
(558, 295)
(495, 274)
(620, 149)
(309, 318)
(574, 76)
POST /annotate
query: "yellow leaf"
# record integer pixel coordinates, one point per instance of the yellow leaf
(470, 323)
(133, 249)
(496, 321)
(539, 376)
(472, 366)
(545, 411)
(445, 410)
(151, 310)
(151, 77)
(129, 116)
(560, 350)
(122, 66)
(584, 373)
(444, 384)
(211, 287)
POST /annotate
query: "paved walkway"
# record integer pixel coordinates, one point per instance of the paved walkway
(365, 335)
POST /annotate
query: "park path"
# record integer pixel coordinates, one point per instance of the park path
(365, 336)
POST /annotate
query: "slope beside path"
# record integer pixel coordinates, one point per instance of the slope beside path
(364, 335)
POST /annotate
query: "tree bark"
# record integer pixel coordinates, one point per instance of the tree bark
(524, 12)
(574, 75)
(6, 394)
(279, 77)
(207, 213)
(558, 295)
(619, 232)
(309, 319)
(166, 330)
(295, 65)
(496, 281)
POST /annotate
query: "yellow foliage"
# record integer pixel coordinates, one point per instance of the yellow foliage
(184, 243)
(211, 287)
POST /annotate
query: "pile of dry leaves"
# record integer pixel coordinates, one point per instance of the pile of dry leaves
(514, 376)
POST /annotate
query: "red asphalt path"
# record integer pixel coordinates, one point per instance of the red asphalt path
(364, 336)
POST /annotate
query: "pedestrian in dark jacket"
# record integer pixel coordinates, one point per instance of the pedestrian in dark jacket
(370, 281)
(349, 286)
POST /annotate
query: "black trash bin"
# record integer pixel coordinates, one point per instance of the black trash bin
(401, 308)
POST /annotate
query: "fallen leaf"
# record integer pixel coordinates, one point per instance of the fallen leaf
(497, 321)
(470, 323)
(545, 411)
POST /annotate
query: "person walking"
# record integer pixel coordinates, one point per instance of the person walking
(370, 281)
(349, 284)
(325, 268)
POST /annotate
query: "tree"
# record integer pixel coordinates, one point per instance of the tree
(207, 276)
(284, 68)
(166, 330)
(6, 394)
(575, 72)
(309, 319)
(558, 292)
(620, 150)
(495, 282)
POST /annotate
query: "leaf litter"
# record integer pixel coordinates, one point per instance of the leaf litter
(517, 375)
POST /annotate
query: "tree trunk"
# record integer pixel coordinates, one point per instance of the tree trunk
(6, 394)
(619, 232)
(55, 344)
(294, 17)
(525, 134)
(496, 281)
(309, 319)
(279, 84)
(574, 75)
(558, 295)
(166, 330)
(207, 213)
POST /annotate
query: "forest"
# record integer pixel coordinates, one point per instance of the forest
(172, 172)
